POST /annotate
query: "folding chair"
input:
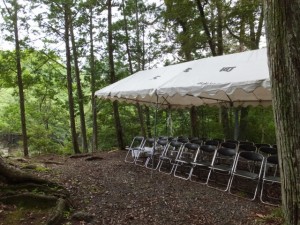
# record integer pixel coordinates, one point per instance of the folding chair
(247, 148)
(167, 159)
(202, 162)
(248, 166)
(258, 145)
(134, 149)
(153, 159)
(267, 151)
(222, 164)
(183, 163)
(271, 179)
(145, 152)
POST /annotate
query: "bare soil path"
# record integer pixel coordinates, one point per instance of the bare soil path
(109, 191)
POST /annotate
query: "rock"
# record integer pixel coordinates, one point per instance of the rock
(82, 216)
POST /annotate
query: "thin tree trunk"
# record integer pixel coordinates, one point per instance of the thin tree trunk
(283, 43)
(139, 108)
(113, 77)
(148, 123)
(211, 43)
(79, 90)
(93, 85)
(220, 27)
(69, 81)
(225, 122)
(243, 123)
(20, 80)
(194, 121)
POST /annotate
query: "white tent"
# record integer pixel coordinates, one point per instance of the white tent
(235, 79)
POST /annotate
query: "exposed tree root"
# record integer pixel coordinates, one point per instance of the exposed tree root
(58, 212)
(21, 188)
(79, 156)
(93, 158)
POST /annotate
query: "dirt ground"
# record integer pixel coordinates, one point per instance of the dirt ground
(110, 191)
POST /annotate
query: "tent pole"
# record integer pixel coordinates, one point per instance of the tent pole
(155, 134)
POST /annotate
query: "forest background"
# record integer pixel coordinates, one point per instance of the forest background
(69, 49)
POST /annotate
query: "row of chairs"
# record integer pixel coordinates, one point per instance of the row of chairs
(226, 166)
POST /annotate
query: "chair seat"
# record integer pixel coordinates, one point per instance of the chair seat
(222, 167)
(272, 179)
(188, 161)
(246, 174)
(201, 163)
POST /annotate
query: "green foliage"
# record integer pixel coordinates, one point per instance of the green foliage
(40, 141)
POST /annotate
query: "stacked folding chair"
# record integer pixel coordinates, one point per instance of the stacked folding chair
(134, 149)
(270, 188)
(248, 168)
(222, 166)
(203, 161)
(168, 158)
(183, 163)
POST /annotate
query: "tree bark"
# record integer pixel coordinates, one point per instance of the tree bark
(79, 89)
(283, 43)
(139, 108)
(194, 121)
(69, 80)
(20, 80)
(93, 84)
(243, 123)
(113, 77)
(210, 40)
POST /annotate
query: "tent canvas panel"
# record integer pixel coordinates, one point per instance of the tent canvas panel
(234, 79)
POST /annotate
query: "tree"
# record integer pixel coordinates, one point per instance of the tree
(67, 13)
(78, 84)
(93, 80)
(283, 43)
(13, 14)
(113, 77)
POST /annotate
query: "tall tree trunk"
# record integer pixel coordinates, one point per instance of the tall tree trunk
(243, 123)
(194, 121)
(148, 122)
(220, 27)
(210, 40)
(138, 44)
(113, 77)
(93, 85)
(139, 108)
(225, 122)
(283, 43)
(69, 80)
(79, 90)
(20, 80)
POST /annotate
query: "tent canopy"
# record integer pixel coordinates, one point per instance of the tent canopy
(239, 79)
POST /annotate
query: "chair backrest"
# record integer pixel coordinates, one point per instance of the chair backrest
(212, 142)
(246, 147)
(252, 156)
(183, 139)
(197, 141)
(268, 150)
(172, 149)
(208, 148)
(162, 142)
(137, 142)
(228, 145)
(189, 151)
(229, 152)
